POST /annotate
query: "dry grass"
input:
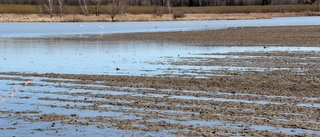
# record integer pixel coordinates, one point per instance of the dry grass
(244, 16)
(18, 9)
(248, 9)
(34, 9)
(56, 18)
(17, 13)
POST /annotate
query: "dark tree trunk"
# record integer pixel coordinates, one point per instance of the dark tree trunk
(191, 3)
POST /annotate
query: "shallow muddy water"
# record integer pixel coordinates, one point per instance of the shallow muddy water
(122, 58)
(132, 88)
(58, 29)
(139, 107)
(59, 107)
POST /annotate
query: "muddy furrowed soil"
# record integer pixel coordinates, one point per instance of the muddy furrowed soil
(272, 93)
(247, 36)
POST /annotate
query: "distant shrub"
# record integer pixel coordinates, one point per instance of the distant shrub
(177, 15)
(312, 14)
(157, 11)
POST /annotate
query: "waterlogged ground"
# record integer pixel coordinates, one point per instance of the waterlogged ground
(40, 29)
(247, 93)
(131, 88)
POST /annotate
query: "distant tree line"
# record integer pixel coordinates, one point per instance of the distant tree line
(175, 3)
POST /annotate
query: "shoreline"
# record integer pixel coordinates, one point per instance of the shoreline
(248, 36)
(147, 17)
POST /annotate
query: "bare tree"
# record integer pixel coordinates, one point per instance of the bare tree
(48, 4)
(123, 3)
(122, 6)
(169, 6)
(40, 8)
(113, 10)
(84, 7)
(97, 7)
(157, 10)
(61, 7)
(200, 2)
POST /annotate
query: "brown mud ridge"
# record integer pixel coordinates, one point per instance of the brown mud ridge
(250, 36)
(280, 102)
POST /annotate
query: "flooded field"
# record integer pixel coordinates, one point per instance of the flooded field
(82, 87)
(34, 29)
(208, 91)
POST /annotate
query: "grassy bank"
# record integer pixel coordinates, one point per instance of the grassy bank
(35, 9)
(32, 13)
(248, 9)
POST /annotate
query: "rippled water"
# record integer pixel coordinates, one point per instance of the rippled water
(120, 58)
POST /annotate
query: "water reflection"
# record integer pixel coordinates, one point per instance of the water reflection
(81, 28)
(83, 57)
(123, 57)
(116, 58)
